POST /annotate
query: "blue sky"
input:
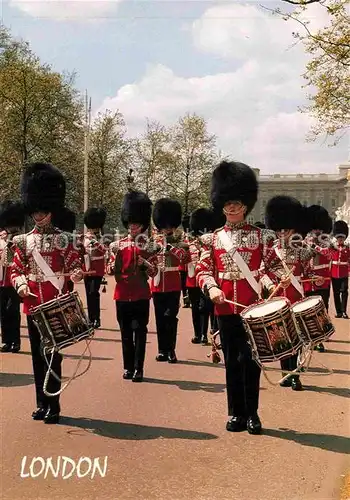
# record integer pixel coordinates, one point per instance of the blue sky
(229, 61)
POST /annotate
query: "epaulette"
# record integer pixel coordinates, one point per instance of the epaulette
(207, 239)
(20, 240)
(267, 235)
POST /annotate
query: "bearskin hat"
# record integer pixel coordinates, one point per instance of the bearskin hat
(201, 221)
(340, 227)
(43, 188)
(167, 213)
(12, 214)
(218, 219)
(65, 220)
(136, 209)
(319, 219)
(284, 212)
(234, 181)
(95, 218)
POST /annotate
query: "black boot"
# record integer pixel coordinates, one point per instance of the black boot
(6, 348)
(39, 414)
(161, 356)
(138, 376)
(286, 382)
(127, 375)
(296, 384)
(254, 424)
(52, 416)
(15, 347)
(196, 340)
(172, 337)
(236, 424)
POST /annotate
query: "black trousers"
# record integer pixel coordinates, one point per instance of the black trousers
(324, 293)
(40, 369)
(133, 320)
(242, 372)
(70, 286)
(213, 319)
(10, 315)
(166, 308)
(290, 364)
(200, 308)
(340, 294)
(92, 288)
(183, 275)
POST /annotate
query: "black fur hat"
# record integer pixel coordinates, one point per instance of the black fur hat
(136, 209)
(95, 218)
(65, 220)
(341, 228)
(319, 219)
(201, 221)
(284, 212)
(167, 213)
(234, 181)
(43, 188)
(12, 214)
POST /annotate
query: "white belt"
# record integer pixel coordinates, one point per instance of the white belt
(170, 269)
(321, 266)
(339, 263)
(234, 275)
(97, 258)
(39, 279)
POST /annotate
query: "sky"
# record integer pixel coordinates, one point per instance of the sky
(233, 63)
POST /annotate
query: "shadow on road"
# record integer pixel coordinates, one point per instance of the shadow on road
(189, 385)
(329, 442)
(15, 379)
(334, 370)
(74, 356)
(336, 391)
(120, 430)
(330, 351)
(339, 342)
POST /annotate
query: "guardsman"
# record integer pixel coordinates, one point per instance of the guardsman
(129, 263)
(286, 216)
(94, 261)
(12, 218)
(228, 269)
(200, 224)
(166, 285)
(183, 267)
(320, 223)
(39, 256)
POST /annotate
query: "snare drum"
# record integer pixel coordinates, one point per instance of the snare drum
(272, 330)
(62, 322)
(314, 323)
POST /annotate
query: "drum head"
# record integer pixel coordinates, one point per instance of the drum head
(261, 310)
(306, 304)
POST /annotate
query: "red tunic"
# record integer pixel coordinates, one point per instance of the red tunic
(340, 259)
(217, 268)
(6, 257)
(131, 278)
(59, 253)
(94, 253)
(168, 277)
(194, 254)
(297, 259)
(320, 265)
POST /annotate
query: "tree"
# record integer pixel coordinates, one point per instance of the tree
(152, 157)
(109, 160)
(327, 73)
(40, 119)
(193, 157)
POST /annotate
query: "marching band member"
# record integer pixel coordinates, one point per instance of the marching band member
(12, 218)
(340, 267)
(94, 261)
(200, 223)
(39, 255)
(320, 223)
(166, 285)
(285, 215)
(128, 262)
(229, 269)
(65, 220)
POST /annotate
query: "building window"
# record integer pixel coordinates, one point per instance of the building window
(334, 202)
(319, 202)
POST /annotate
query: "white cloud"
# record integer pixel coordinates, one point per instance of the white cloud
(64, 10)
(252, 109)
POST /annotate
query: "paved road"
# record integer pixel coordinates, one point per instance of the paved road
(166, 438)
